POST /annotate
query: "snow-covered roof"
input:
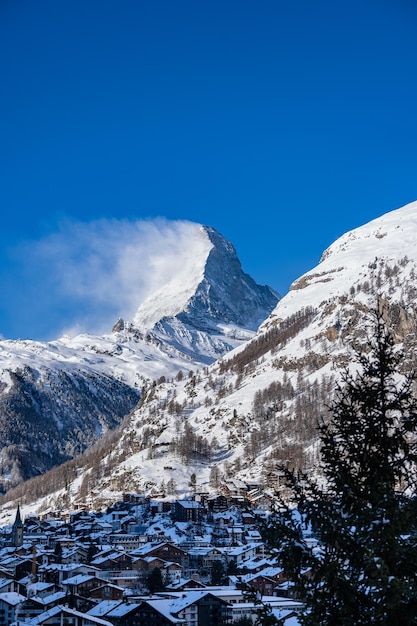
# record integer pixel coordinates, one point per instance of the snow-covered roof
(56, 610)
(122, 609)
(190, 504)
(12, 598)
(79, 579)
(103, 607)
(50, 598)
(181, 603)
(163, 606)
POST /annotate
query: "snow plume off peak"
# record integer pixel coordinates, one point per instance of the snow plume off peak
(180, 276)
(102, 270)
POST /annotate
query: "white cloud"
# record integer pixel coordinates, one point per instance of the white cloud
(98, 271)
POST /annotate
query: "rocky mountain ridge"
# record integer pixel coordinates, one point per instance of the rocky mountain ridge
(257, 406)
(218, 309)
(59, 397)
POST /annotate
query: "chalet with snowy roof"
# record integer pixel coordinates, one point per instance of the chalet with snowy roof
(9, 605)
(256, 564)
(217, 503)
(127, 541)
(166, 551)
(240, 554)
(115, 561)
(259, 499)
(134, 498)
(187, 511)
(82, 584)
(16, 567)
(7, 585)
(144, 565)
(202, 559)
(259, 582)
(276, 573)
(51, 600)
(248, 519)
(235, 489)
(253, 536)
(38, 588)
(107, 591)
(59, 572)
(281, 608)
(77, 555)
(125, 615)
(152, 612)
(201, 607)
(103, 608)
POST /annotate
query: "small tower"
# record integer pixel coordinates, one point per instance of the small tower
(17, 529)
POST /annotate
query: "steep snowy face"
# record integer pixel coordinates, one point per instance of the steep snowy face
(208, 287)
(226, 294)
(180, 286)
(393, 235)
(208, 305)
(377, 258)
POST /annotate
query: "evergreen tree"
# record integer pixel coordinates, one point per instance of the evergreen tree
(154, 580)
(217, 573)
(58, 552)
(91, 552)
(171, 487)
(365, 515)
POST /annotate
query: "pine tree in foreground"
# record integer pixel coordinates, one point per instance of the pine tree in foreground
(364, 570)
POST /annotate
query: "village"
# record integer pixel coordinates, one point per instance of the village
(197, 561)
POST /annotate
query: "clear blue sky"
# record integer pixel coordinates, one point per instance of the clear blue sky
(280, 124)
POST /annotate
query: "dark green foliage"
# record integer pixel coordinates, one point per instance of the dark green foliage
(191, 446)
(58, 552)
(365, 517)
(92, 551)
(217, 573)
(268, 341)
(155, 581)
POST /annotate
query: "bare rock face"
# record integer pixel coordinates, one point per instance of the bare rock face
(224, 310)
(118, 326)
(226, 294)
(48, 417)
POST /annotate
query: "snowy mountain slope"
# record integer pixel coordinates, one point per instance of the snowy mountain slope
(57, 398)
(210, 306)
(258, 406)
(379, 256)
(173, 296)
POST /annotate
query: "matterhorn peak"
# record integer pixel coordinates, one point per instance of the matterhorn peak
(207, 305)
(181, 283)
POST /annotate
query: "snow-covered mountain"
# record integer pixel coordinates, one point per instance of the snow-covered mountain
(58, 397)
(210, 305)
(258, 405)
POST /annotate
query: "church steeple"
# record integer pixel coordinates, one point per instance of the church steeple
(17, 529)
